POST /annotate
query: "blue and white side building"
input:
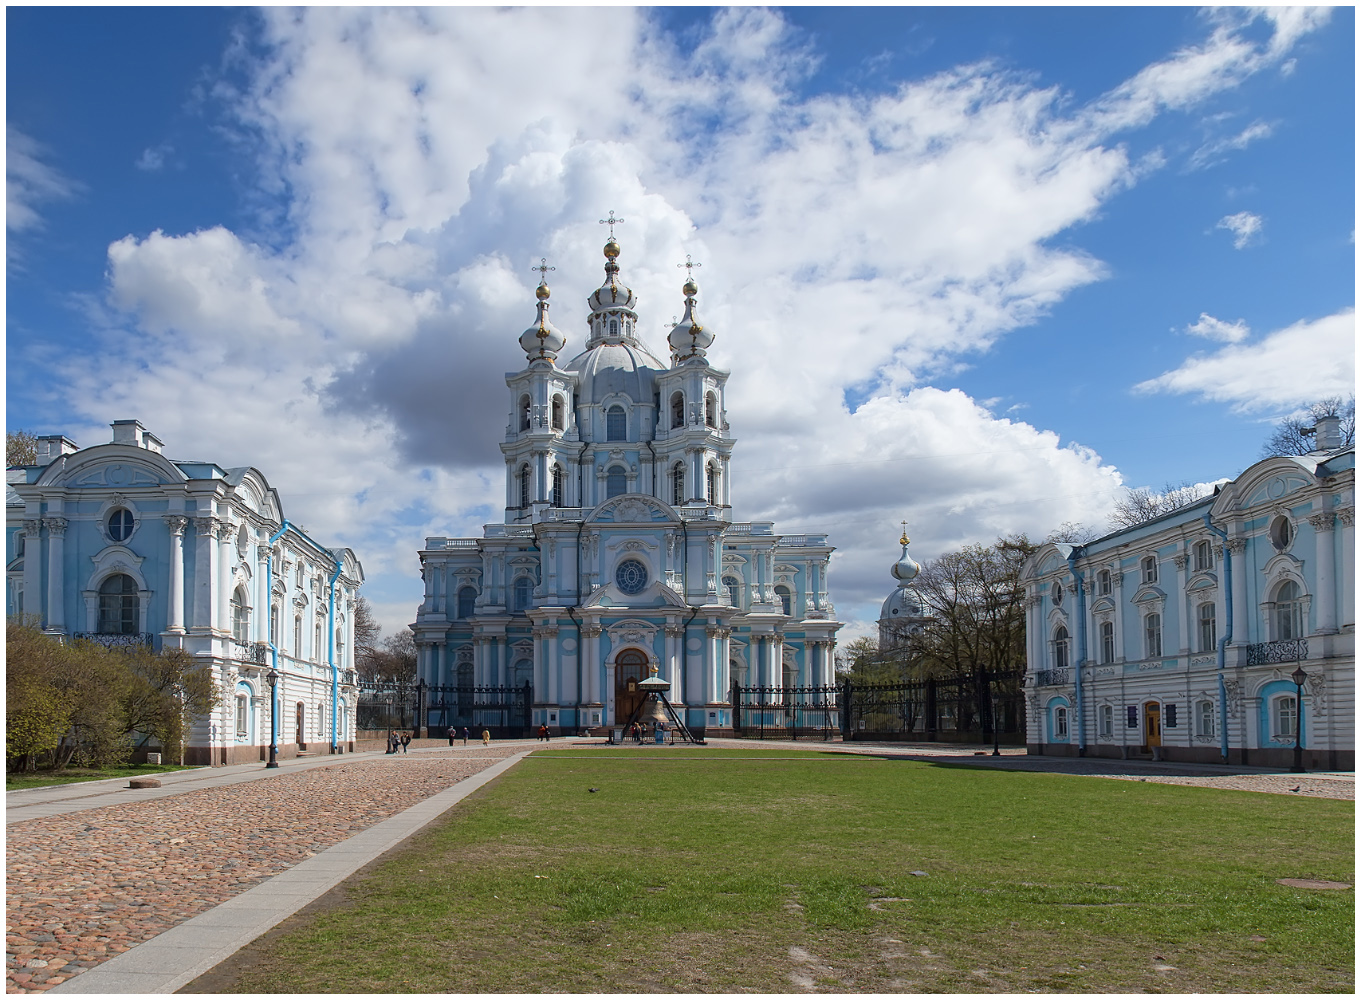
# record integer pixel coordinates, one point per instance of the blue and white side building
(120, 545)
(1177, 638)
(618, 555)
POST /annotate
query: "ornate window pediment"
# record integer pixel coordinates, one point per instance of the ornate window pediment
(1148, 594)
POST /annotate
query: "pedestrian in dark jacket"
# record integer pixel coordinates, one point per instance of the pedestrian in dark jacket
(452, 733)
(406, 741)
(465, 736)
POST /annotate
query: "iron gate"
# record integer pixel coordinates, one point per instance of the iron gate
(506, 711)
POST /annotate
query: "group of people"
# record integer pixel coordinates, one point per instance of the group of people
(398, 744)
(454, 733)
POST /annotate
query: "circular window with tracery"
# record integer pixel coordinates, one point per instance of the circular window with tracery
(631, 576)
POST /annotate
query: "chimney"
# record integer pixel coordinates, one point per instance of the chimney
(52, 446)
(128, 432)
(1328, 434)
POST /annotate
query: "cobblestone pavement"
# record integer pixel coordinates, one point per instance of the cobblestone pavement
(85, 886)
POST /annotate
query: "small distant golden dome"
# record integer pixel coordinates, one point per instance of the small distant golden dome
(611, 249)
(542, 292)
(690, 288)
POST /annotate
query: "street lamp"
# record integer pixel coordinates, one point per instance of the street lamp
(273, 678)
(996, 752)
(1299, 677)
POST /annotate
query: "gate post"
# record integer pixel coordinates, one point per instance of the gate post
(735, 694)
(931, 720)
(845, 710)
(420, 726)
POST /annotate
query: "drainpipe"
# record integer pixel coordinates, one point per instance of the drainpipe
(331, 659)
(581, 647)
(1081, 656)
(269, 631)
(1224, 640)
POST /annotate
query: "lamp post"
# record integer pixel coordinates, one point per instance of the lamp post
(273, 678)
(996, 751)
(1299, 677)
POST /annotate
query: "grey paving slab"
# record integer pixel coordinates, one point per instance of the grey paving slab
(181, 954)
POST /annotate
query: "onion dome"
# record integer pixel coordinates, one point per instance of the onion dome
(905, 570)
(543, 339)
(612, 294)
(689, 338)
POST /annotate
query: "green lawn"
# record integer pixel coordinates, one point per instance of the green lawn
(697, 870)
(41, 779)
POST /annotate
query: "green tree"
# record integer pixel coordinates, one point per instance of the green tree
(36, 713)
(21, 448)
(164, 691)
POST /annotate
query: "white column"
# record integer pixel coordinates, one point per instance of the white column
(1348, 602)
(224, 580)
(260, 613)
(33, 567)
(669, 671)
(1237, 548)
(590, 665)
(1325, 596)
(203, 578)
(175, 612)
(56, 547)
(1183, 610)
(554, 670)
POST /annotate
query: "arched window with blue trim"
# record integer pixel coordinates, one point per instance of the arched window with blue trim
(524, 589)
(616, 424)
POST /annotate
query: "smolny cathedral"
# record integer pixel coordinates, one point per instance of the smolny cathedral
(618, 558)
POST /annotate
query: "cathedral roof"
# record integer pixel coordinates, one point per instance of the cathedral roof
(902, 603)
(629, 368)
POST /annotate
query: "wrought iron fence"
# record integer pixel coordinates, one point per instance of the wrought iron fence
(958, 708)
(785, 712)
(505, 711)
(116, 640)
(1280, 651)
(250, 652)
(1049, 678)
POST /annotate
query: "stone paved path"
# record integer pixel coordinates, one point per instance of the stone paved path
(88, 885)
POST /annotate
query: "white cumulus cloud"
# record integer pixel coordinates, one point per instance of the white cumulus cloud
(1245, 226)
(1217, 329)
(1306, 361)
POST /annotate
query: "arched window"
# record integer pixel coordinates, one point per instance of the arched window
(616, 424)
(786, 599)
(1060, 724)
(1287, 616)
(1107, 720)
(240, 616)
(522, 673)
(524, 486)
(118, 605)
(734, 590)
(1205, 718)
(467, 597)
(1153, 634)
(242, 715)
(1060, 648)
(558, 410)
(317, 639)
(297, 636)
(1205, 616)
(1204, 556)
(340, 646)
(120, 525)
(711, 486)
(274, 625)
(1284, 716)
(677, 410)
(1056, 594)
(524, 590)
(1282, 533)
(1150, 569)
(616, 483)
(678, 483)
(614, 328)
(524, 413)
(711, 410)
(559, 485)
(1107, 642)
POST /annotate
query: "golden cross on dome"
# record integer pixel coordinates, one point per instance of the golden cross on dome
(689, 266)
(543, 269)
(903, 540)
(611, 222)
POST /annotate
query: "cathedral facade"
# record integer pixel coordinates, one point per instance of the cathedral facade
(618, 557)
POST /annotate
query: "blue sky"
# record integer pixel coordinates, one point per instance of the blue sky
(976, 268)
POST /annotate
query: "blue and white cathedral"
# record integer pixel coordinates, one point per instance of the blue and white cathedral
(618, 557)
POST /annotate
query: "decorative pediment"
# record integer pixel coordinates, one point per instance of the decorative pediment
(1051, 563)
(1148, 594)
(633, 508)
(121, 474)
(114, 559)
(1283, 566)
(1202, 580)
(1102, 605)
(1277, 487)
(631, 631)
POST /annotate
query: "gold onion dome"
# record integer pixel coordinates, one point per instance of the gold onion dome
(613, 294)
(611, 249)
(688, 338)
(543, 340)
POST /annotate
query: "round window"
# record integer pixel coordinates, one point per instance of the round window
(1056, 594)
(120, 525)
(1282, 533)
(631, 576)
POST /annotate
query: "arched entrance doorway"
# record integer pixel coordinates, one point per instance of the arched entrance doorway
(1153, 725)
(630, 667)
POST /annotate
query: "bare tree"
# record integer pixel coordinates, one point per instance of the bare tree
(21, 448)
(1142, 504)
(366, 629)
(1072, 531)
(1295, 435)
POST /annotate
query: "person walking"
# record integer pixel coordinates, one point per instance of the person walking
(486, 737)
(406, 741)
(392, 741)
(452, 733)
(465, 736)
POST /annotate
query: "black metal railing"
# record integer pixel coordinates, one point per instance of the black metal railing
(1279, 651)
(1050, 678)
(954, 708)
(506, 711)
(250, 652)
(117, 640)
(785, 712)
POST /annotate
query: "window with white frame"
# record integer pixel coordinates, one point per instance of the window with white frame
(118, 602)
(558, 409)
(1060, 648)
(1287, 614)
(677, 410)
(734, 590)
(1284, 716)
(678, 483)
(1107, 720)
(712, 484)
(120, 525)
(524, 588)
(1204, 556)
(524, 413)
(1107, 642)
(1153, 634)
(559, 486)
(467, 598)
(1056, 593)
(1149, 567)
(1060, 723)
(524, 486)
(1282, 533)
(1205, 619)
(1103, 582)
(1205, 718)
(242, 716)
(317, 638)
(711, 410)
(786, 599)
(297, 636)
(274, 625)
(240, 616)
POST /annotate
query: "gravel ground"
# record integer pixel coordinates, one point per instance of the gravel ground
(85, 886)
(1323, 787)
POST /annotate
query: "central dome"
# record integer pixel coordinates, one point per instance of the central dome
(629, 368)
